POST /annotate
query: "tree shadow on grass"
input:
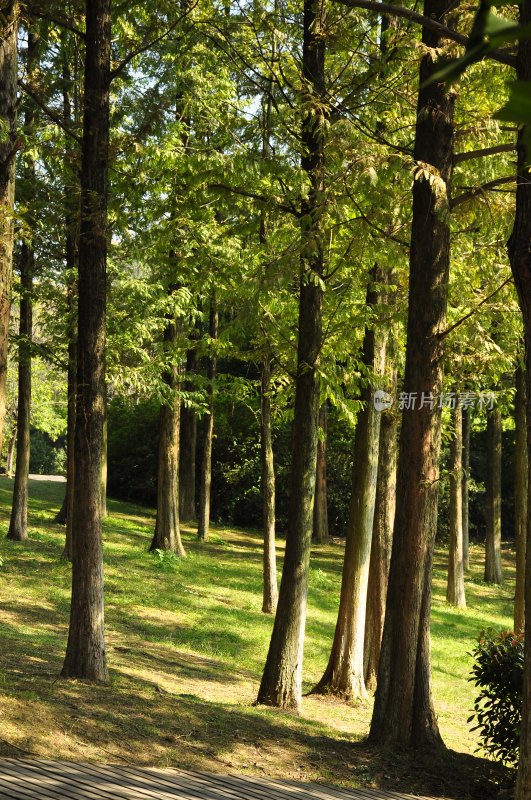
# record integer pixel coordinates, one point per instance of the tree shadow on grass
(129, 722)
(445, 773)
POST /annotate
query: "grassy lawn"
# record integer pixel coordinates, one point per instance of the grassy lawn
(186, 645)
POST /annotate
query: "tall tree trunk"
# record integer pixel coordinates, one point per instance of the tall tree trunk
(187, 449)
(103, 478)
(70, 428)
(519, 248)
(520, 496)
(344, 674)
(382, 538)
(208, 434)
(270, 587)
(464, 488)
(11, 453)
(320, 509)
(493, 567)
(403, 711)
(455, 590)
(281, 683)
(8, 147)
(167, 534)
(71, 205)
(270, 592)
(18, 524)
(85, 652)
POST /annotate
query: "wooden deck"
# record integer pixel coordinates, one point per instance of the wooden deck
(39, 779)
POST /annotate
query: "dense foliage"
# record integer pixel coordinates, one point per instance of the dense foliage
(498, 673)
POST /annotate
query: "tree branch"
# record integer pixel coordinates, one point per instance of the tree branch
(55, 117)
(486, 151)
(474, 310)
(147, 45)
(471, 193)
(426, 22)
(290, 209)
(60, 21)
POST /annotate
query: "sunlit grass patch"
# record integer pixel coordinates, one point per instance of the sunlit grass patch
(186, 643)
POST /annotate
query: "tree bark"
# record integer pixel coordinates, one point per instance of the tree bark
(70, 431)
(270, 592)
(270, 586)
(18, 524)
(464, 488)
(382, 538)
(520, 496)
(208, 434)
(281, 683)
(403, 711)
(493, 567)
(8, 147)
(187, 449)
(103, 478)
(11, 454)
(455, 590)
(519, 249)
(344, 674)
(167, 534)
(85, 652)
(320, 509)
(71, 205)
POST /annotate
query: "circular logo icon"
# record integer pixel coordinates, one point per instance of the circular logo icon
(382, 400)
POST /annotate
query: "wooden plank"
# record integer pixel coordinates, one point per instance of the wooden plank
(88, 775)
(28, 782)
(269, 789)
(142, 781)
(202, 784)
(114, 785)
(315, 790)
(258, 789)
(43, 779)
(195, 787)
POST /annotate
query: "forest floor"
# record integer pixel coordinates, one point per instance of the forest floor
(186, 646)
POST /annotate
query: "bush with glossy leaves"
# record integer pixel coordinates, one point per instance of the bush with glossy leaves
(498, 673)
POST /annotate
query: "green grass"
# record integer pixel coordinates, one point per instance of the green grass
(186, 646)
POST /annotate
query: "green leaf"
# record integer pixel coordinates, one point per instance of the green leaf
(518, 106)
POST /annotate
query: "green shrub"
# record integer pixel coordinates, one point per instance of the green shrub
(47, 457)
(498, 672)
(132, 451)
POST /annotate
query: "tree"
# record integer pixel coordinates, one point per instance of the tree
(9, 144)
(208, 431)
(345, 674)
(520, 495)
(281, 683)
(382, 535)
(270, 591)
(464, 488)
(188, 445)
(70, 97)
(519, 249)
(18, 525)
(404, 711)
(320, 510)
(455, 591)
(85, 652)
(493, 566)
(167, 534)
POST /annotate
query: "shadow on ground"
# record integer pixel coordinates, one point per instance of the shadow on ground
(186, 646)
